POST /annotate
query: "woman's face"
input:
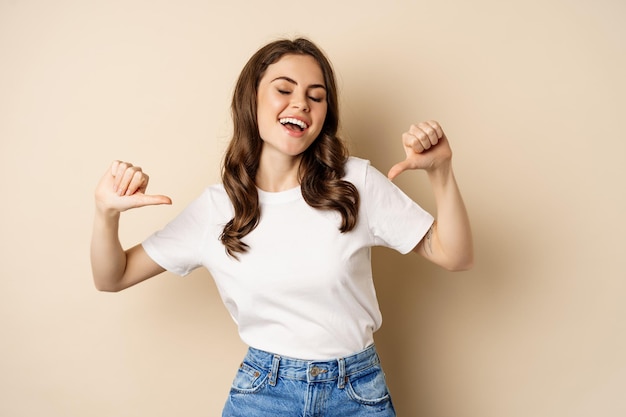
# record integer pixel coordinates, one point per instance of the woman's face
(291, 105)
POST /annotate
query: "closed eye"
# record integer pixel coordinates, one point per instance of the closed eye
(312, 98)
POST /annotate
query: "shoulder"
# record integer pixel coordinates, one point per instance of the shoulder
(212, 200)
(360, 172)
(215, 191)
(356, 170)
(216, 198)
(211, 194)
(354, 163)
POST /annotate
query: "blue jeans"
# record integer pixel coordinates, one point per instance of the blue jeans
(271, 385)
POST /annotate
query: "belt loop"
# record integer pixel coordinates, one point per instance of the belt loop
(274, 372)
(342, 373)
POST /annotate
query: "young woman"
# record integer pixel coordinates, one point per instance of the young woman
(287, 238)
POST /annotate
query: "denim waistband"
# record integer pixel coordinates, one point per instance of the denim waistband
(313, 370)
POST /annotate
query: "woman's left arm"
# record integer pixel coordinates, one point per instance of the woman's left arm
(448, 243)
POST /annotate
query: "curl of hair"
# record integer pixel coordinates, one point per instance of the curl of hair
(322, 165)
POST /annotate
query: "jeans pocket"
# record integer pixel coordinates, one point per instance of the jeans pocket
(249, 379)
(368, 387)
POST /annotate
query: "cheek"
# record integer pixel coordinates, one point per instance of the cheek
(264, 99)
(322, 109)
(265, 112)
(321, 115)
(271, 100)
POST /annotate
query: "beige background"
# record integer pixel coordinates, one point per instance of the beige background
(531, 94)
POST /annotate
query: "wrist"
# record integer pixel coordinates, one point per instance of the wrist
(107, 213)
(442, 172)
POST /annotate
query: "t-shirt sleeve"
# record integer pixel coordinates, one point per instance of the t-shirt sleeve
(395, 220)
(177, 247)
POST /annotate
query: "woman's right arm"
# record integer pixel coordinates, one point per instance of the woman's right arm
(121, 188)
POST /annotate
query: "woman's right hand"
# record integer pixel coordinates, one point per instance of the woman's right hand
(123, 187)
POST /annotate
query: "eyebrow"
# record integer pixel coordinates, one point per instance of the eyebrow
(291, 81)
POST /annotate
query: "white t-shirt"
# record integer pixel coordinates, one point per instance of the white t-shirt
(303, 289)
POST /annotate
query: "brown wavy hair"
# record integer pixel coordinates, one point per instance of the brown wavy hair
(322, 165)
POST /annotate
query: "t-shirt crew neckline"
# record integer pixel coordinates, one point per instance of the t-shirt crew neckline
(279, 197)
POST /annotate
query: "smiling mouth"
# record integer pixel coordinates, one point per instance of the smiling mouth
(293, 124)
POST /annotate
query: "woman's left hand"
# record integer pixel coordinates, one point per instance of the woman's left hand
(426, 147)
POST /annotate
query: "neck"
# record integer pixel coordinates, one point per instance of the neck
(278, 174)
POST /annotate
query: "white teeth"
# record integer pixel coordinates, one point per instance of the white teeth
(293, 122)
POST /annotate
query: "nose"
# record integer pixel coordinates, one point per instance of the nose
(300, 102)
